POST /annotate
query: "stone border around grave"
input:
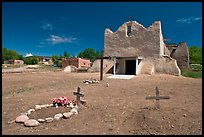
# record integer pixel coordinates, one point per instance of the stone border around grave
(24, 117)
(91, 81)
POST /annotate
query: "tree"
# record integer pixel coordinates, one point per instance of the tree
(98, 54)
(88, 53)
(31, 60)
(60, 56)
(80, 55)
(10, 55)
(66, 54)
(195, 55)
(54, 57)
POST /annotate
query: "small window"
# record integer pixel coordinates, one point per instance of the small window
(84, 63)
(128, 30)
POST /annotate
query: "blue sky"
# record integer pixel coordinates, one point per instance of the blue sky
(47, 28)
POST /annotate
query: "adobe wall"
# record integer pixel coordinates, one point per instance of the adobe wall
(83, 63)
(163, 65)
(97, 65)
(70, 61)
(182, 55)
(166, 65)
(144, 42)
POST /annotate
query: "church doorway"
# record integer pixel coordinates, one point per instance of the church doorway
(130, 67)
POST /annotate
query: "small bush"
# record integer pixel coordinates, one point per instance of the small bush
(196, 67)
(31, 60)
(191, 73)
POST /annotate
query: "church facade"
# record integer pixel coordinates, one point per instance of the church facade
(134, 49)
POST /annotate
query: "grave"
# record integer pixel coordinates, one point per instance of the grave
(78, 95)
(47, 113)
(157, 98)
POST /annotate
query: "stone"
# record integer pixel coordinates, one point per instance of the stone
(45, 105)
(86, 82)
(41, 120)
(31, 123)
(37, 107)
(26, 113)
(49, 120)
(172, 126)
(58, 116)
(71, 105)
(67, 114)
(21, 118)
(30, 110)
(74, 111)
(11, 122)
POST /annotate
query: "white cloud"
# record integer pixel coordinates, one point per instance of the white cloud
(189, 20)
(46, 26)
(57, 39)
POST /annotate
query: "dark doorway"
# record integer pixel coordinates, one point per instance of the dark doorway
(130, 67)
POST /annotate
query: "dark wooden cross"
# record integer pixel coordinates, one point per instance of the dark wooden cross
(78, 95)
(129, 18)
(157, 97)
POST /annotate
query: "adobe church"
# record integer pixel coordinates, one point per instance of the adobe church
(134, 49)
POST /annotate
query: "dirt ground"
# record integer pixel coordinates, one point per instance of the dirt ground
(120, 108)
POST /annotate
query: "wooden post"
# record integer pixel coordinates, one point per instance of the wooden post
(101, 68)
(136, 66)
(114, 65)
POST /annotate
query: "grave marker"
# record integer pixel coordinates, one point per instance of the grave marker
(157, 97)
(78, 95)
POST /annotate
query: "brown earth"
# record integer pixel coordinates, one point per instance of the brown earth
(120, 108)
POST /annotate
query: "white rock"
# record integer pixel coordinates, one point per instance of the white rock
(58, 116)
(26, 113)
(37, 107)
(74, 111)
(45, 106)
(49, 120)
(41, 120)
(30, 110)
(107, 84)
(67, 114)
(21, 118)
(86, 82)
(71, 105)
(31, 123)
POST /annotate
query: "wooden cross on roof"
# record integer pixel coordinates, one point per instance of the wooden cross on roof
(157, 97)
(129, 18)
(78, 95)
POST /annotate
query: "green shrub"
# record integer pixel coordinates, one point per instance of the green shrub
(196, 67)
(191, 73)
(31, 60)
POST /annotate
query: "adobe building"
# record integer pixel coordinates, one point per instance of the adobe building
(180, 53)
(14, 62)
(77, 62)
(134, 49)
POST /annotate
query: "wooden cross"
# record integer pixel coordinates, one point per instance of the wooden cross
(157, 97)
(78, 95)
(129, 18)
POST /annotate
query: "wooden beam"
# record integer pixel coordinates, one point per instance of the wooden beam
(101, 68)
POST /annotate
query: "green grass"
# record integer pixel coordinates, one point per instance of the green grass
(191, 73)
